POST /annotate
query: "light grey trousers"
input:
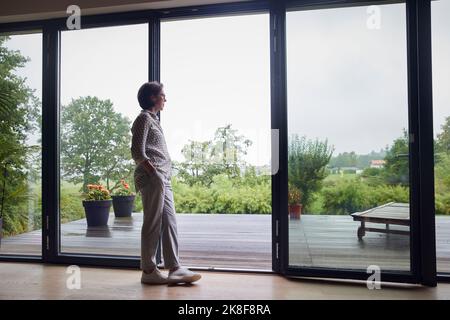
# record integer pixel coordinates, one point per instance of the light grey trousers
(159, 220)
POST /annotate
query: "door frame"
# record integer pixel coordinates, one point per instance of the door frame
(423, 257)
(422, 235)
(51, 29)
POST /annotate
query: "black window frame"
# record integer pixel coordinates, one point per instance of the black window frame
(423, 261)
(418, 13)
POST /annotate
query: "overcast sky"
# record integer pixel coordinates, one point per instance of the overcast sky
(346, 82)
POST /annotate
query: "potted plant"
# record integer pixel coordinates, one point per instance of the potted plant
(295, 207)
(96, 205)
(123, 200)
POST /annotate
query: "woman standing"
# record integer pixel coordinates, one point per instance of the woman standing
(152, 178)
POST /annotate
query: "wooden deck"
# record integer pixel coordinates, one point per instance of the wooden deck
(244, 241)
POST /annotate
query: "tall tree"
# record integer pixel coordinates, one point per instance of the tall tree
(307, 161)
(345, 159)
(95, 142)
(396, 168)
(229, 149)
(206, 159)
(443, 138)
(19, 120)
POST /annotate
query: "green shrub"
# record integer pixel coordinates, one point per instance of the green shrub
(443, 204)
(442, 184)
(71, 206)
(224, 196)
(344, 197)
(22, 211)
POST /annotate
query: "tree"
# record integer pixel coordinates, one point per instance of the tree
(396, 168)
(95, 142)
(345, 159)
(443, 138)
(19, 119)
(229, 150)
(307, 161)
(224, 154)
(198, 166)
(442, 169)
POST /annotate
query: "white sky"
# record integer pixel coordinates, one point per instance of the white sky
(345, 81)
(215, 76)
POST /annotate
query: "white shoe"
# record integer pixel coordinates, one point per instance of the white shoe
(183, 275)
(156, 277)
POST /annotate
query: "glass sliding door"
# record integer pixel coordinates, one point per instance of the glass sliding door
(101, 72)
(20, 144)
(348, 139)
(440, 14)
(216, 74)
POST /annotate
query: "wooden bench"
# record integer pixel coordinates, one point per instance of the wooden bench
(392, 213)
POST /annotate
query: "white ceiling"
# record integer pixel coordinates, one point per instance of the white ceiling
(27, 10)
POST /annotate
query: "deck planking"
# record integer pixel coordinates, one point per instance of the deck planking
(243, 241)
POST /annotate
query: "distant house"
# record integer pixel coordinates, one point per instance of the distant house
(377, 163)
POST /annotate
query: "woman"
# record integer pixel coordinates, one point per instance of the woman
(152, 178)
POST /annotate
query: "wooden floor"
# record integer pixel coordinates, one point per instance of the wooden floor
(244, 241)
(38, 281)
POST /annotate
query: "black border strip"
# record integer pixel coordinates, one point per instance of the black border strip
(420, 92)
(278, 86)
(50, 142)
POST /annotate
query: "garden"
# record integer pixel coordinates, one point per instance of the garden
(212, 178)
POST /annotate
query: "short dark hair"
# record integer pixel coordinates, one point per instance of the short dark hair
(147, 90)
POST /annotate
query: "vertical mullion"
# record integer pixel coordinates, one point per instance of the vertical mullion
(50, 143)
(154, 44)
(280, 243)
(423, 245)
(425, 139)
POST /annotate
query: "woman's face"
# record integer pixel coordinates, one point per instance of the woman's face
(159, 101)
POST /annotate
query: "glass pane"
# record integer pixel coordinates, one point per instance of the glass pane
(101, 71)
(20, 143)
(440, 11)
(216, 74)
(348, 138)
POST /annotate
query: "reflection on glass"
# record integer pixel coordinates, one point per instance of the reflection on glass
(20, 144)
(348, 138)
(440, 13)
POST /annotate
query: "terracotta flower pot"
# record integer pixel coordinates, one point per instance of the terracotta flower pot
(295, 211)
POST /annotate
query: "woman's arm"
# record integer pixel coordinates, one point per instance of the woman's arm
(140, 130)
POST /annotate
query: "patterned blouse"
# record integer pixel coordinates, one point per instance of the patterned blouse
(148, 143)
